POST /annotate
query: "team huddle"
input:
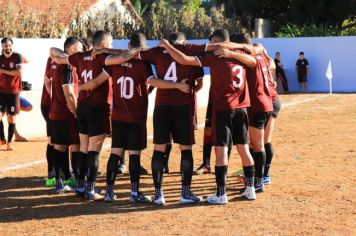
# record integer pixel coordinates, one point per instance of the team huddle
(90, 92)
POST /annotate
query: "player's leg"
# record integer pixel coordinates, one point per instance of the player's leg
(3, 104)
(51, 180)
(2, 132)
(12, 111)
(167, 154)
(26, 106)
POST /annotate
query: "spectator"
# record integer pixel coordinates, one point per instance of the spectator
(280, 72)
(302, 67)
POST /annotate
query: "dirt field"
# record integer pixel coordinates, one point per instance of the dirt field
(313, 190)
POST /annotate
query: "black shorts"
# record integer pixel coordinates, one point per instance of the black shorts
(10, 103)
(129, 136)
(65, 132)
(208, 115)
(302, 78)
(45, 114)
(276, 107)
(93, 120)
(229, 127)
(176, 120)
(258, 120)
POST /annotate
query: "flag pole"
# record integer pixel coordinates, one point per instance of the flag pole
(331, 86)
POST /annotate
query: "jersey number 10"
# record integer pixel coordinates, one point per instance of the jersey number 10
(127, 87)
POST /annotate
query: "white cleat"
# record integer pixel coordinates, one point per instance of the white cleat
(160, 201)
(249, 193)
(214, 199)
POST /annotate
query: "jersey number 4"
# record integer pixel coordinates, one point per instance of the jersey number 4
(171, 74)
(127, 87)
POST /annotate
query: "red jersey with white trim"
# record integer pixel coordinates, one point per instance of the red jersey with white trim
(130, 95)
(61, 75)
(271, 82)
(46, 97)
(228, 82)
(88, 68)
(170, 70)
(258, 79)
(10, 84)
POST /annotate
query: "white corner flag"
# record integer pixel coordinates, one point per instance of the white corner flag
(329, 75)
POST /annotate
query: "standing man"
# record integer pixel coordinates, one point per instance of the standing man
(280, 71)
(229, 117)
(10, 86)
(302, 68)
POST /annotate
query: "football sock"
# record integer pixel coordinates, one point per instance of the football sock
(49, 157)
(93, 165)
(186, 167)
(58, 160)
(135, 171)
(11, 130)
(249, 172)
(111, 169)
(167, 154)
(66, 169)
(206, 154)
(2, 132)
(157, 170)
(259, 159)
(220, 176)
(269, 156)
(229, 152)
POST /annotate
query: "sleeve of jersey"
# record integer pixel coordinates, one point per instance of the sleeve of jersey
(199, 72)
(48, 67)
(73, 60)
(148, 55)
(204, 60)
(19, 60)
(194, 49)
(102, 62)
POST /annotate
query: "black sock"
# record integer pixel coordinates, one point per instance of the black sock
(93, 166)
(186, 168)
(206, 154)
(229, 152)
(58, 160)
(269, 156)
(10, 130)
(50, 166)
(2, 132)
(259, 159)
(157, 169)
(81, 169)
(167, 154)
(75, 165)
(135, 172)
(249, 172)
(66, 170)
(111, 169)
(220, 177)
(122, 160)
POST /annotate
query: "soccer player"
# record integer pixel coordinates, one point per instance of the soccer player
(10, 86)
(129, 114)
(261, 106)
(64, 132)
(229, 118)
(92, 113)
(302, 68)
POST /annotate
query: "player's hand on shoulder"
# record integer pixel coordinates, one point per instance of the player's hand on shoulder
(96, 52)
(163, 43)
(184, 87)
(223, 52)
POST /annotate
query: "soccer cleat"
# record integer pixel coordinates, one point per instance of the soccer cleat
(267, 180)
(159, 199)
(64, 189)
(50, 182)
(70, 182)
(110, 197)
(190, 199)
(121, 169)
(249, 193)
(140, 198)
(259, 188)
(80, 192)
(214, 199)
(143, 171)
(202, 170)
(93, 196)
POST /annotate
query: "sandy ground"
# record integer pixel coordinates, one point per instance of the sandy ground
(312, 192)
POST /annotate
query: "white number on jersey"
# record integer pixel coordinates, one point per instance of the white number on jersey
(87, 75)
(127, 87)
(171, 74)
(239, 76)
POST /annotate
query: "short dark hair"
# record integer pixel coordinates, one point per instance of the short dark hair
(138, 40)
(99, 37)
(6, 39)
(241, 38)
(223, 34)
(278, 53)
(176, 37)
(301, 53)
(71, 41)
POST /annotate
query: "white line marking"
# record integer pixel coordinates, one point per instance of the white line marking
(108, 145)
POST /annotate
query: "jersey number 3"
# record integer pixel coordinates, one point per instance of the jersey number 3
(239, 75)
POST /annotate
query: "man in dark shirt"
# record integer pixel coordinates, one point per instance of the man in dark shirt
(280, 72)
(302, 67)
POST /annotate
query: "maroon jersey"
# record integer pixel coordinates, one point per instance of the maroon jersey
(60, 75)
(258, 79)
(87, 69)
(130, 96)
(10, 84)
(46, 97)
(170, 70)
(228, 82)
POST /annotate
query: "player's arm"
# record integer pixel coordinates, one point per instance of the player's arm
(111, 51)
(58, 56)
(47, 83)
(71, 99)
(94, 83)
(122, 57)
(178, 56)
(230, 45)
(16, 72)
(246, 59)
(164, 84)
